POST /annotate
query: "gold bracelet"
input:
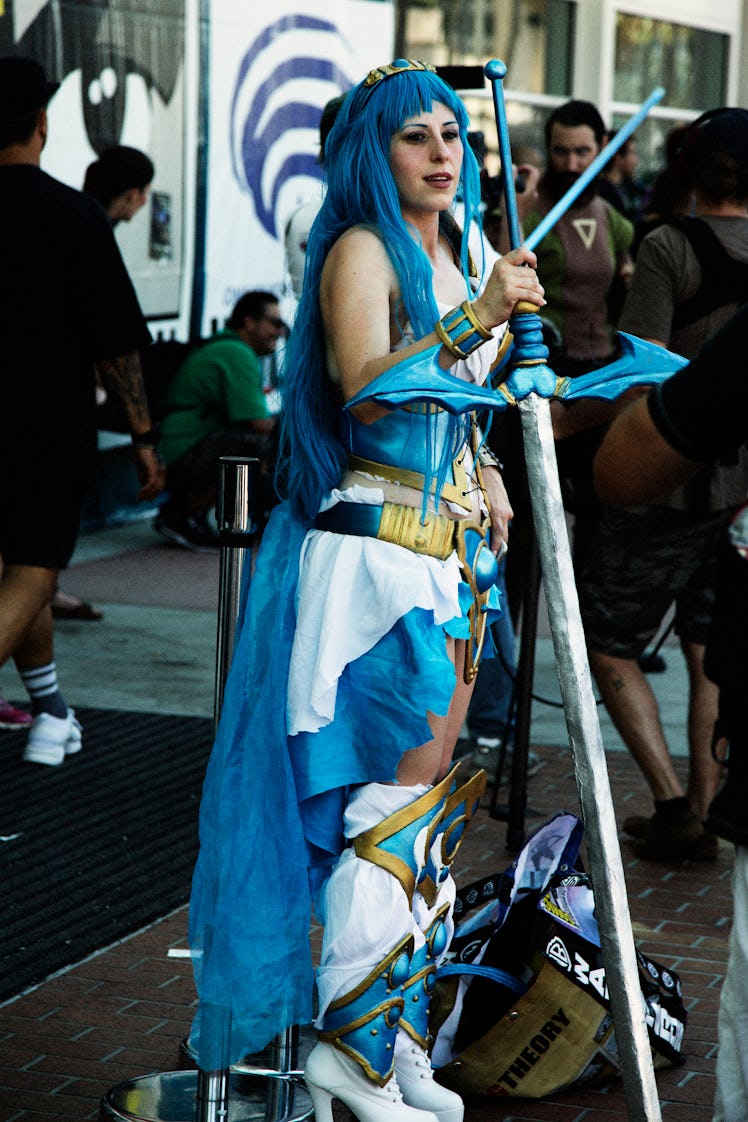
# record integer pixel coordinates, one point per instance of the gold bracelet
(461, 331)
(486, 458)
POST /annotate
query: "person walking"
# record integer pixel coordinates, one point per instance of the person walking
(680, 427)
(67, 309)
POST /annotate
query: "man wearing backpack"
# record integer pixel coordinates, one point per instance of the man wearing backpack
(699, 413)
(690, 277)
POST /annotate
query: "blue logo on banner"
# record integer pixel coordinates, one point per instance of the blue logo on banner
(264, 121)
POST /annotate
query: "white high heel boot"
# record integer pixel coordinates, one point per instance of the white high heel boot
(413, 1069)
(329, 1074)
(361, 976)
(415, 1077)
(433, 902)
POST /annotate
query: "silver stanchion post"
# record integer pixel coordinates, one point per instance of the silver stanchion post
(238, 522)
(244, 1092)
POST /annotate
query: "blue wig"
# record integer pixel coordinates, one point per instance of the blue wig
(360, 190)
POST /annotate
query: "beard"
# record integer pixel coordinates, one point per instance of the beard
(557, 183)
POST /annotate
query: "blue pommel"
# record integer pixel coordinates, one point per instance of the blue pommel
(495, 70)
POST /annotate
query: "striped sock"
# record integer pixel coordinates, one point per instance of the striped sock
(41, 683)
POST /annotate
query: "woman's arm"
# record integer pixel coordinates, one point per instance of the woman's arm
(359, 289)
(501, 508)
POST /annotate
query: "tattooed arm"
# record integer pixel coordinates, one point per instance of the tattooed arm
(122, 379)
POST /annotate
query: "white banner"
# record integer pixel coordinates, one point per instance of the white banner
(270, 77)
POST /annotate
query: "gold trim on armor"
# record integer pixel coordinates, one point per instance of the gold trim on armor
(460, 330)
(366, 845)
(477, 612)
(434, 534)
(471, 792)
(405, 946)
(457, 492)
(416, 979)
(506, 340)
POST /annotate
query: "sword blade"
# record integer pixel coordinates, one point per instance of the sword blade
(590, 767)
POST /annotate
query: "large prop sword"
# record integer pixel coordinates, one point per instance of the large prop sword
(616, 938)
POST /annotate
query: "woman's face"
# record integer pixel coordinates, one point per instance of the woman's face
(426, 159)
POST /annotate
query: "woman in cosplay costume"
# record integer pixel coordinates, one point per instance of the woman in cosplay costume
(329, 784)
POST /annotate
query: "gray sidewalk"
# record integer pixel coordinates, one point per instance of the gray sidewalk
(154, 651)
(122, 1012)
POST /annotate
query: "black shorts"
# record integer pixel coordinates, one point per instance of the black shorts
(32, 532)
(198, 466)
(640, 562)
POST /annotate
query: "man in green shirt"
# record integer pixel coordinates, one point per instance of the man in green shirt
(216, 406)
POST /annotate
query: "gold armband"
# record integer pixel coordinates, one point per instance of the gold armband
(486, 458)
(461, 331)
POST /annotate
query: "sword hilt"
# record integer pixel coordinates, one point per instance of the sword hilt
(524, 308)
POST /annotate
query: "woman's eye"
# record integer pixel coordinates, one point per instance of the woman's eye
(450, 135)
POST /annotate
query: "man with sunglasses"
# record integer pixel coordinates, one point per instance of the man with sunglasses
(216, 406)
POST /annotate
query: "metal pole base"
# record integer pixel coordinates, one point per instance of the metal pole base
(280, 1057)
(172, 1097)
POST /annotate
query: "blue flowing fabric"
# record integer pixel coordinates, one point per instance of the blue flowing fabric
(271, 819)
(249, 909)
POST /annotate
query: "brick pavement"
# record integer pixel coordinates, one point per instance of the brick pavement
(124, 1012)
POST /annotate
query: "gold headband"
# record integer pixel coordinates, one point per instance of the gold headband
(397, 67)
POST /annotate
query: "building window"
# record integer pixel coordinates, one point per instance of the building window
(536, 40)
(689, 62)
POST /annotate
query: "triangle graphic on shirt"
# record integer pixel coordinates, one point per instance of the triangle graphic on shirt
(586, 228)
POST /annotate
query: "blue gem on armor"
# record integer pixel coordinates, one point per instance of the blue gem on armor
(438, 940)
(400, 972)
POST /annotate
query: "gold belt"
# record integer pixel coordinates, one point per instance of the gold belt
(433, 535)
(457, 492)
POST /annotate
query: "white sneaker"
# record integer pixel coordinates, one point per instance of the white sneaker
(52, 739)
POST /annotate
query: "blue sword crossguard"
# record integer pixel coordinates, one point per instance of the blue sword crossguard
(421, 378)
(639, 364)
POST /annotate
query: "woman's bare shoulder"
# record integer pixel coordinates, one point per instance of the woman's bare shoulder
(359, 239)
(358, 250)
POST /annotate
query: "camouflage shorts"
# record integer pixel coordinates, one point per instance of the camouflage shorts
(640, 562)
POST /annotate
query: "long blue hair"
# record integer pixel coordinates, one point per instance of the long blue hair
(360, 190)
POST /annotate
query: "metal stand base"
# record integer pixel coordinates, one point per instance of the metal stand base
(172, 1097)
(281, 1056)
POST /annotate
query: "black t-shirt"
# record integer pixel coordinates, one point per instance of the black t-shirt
(65, 301)
(702, 411)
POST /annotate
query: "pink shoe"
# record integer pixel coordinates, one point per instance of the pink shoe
(12, 718)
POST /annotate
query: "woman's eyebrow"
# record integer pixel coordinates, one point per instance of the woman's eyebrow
(424, 125)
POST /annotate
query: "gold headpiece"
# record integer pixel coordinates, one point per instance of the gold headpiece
(396, 67)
